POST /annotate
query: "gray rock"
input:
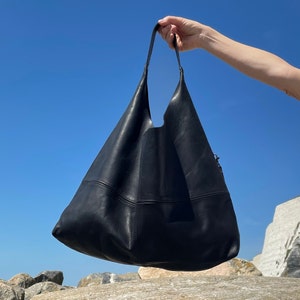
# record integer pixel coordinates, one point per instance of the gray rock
(53, 276)
(106, 277)
(22, 280)
(292, 268)
(127, 277)
(179, 288)
(9, 292)
(41, 288)
(95, 279)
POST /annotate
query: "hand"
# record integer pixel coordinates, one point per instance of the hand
(188, 32)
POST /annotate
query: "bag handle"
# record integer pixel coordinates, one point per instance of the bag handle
(155, 29)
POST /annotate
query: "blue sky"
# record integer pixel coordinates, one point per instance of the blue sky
(69, 69)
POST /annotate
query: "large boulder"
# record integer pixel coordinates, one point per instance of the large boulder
(234, 266)
(187, 287)
(281, 254)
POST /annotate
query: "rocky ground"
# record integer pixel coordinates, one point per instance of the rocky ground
(205, 288)
(236, 279)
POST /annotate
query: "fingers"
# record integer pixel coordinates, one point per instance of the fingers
(187, 32)
(168, 33)
(170, 26)
(170, 20)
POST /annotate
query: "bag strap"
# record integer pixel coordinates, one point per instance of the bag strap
(155, 29)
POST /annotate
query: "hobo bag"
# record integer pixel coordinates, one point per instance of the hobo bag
(154, 196)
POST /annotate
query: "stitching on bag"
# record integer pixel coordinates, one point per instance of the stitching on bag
(115, 191)
(200, 197)
(160, 200)
(152, 201)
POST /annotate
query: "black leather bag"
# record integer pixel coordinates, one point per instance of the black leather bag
(154, 196)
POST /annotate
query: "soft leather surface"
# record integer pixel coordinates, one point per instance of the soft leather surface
(154, 196)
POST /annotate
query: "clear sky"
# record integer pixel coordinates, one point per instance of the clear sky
(69, 69)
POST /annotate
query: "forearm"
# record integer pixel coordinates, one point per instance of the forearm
(256, 63)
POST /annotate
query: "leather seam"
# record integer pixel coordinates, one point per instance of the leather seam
(109, 187)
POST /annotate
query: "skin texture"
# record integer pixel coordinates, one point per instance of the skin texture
(256, 63)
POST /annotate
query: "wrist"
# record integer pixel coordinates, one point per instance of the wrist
(206, 36)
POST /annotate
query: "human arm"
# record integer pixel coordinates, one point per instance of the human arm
(254, 62)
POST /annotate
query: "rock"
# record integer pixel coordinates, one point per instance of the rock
(243, 267)
(104, 278)
(128, 277)
(234, 266)
(95, 279)
(10, 292)
(53, 276)
(292, 260)
(41, 288)
(256, 260)
(187, 287)
(280, 240)
(22, 280)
